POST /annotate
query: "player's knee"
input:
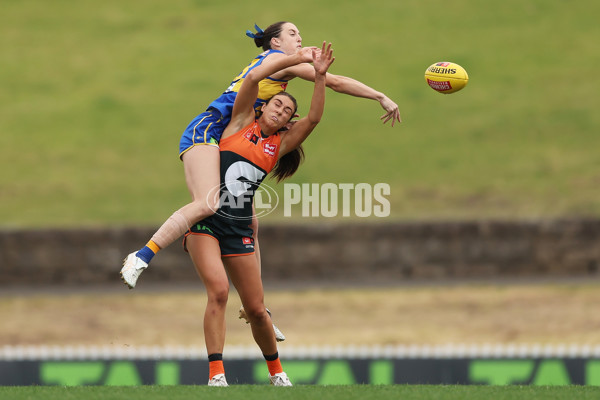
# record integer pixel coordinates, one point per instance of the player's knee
(257, 313)
(218, 293)
(204, 208)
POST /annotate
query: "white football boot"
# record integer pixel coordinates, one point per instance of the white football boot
(218, 380)
(279, 336)
(133, 267)
(280, 379)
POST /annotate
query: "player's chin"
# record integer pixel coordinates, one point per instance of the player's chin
(275, 124)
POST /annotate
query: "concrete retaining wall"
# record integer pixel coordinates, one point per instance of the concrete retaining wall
(327, 253)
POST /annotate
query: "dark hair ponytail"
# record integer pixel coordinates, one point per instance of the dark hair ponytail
(263, 38)
(288, 164)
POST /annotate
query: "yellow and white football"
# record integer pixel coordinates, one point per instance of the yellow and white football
(446, 77)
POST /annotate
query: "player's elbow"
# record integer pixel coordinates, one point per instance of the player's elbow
(334, 83)
(314, 120)
(336, 87)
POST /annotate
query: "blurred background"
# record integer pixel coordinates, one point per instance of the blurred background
(95, 95)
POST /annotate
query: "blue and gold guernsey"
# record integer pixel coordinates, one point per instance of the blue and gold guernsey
(207, 128)
(267, 88)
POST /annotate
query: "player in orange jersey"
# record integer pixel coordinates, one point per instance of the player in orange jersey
(222, 246)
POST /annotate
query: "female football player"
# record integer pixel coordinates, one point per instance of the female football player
(221, 245)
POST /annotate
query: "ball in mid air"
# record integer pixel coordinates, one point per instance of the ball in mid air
(446, 77)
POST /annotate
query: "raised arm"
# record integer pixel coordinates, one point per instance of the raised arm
(300, 130)
(346, 85)
(243, 107)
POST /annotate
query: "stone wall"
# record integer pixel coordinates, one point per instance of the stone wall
(326, 253)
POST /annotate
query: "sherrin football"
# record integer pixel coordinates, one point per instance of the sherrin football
(446, 77)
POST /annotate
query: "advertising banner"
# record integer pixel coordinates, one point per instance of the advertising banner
(72, 369)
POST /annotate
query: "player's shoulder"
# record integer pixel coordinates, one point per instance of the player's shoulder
(270, 54)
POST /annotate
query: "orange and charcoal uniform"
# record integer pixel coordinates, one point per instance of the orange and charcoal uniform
(247, 157)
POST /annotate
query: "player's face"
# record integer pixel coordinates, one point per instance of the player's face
(289, 39)
(277, 112)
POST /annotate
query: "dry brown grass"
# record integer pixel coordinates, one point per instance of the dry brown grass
(548, 314)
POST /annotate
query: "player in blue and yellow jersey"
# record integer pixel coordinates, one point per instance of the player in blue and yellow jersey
(199, 149)
(221, 245)
(207, 127)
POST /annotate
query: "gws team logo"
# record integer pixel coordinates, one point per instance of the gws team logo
(239, 190)
(241, 176)
(248, 242)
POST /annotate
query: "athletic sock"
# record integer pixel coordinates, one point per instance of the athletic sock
(273, 364)
(215, 365)
(148, 251)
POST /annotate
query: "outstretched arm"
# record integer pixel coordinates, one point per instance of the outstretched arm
(346, 85)
(243, 107)
(300, 130)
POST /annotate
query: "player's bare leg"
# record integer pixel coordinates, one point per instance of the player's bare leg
(201, 166)
(279, 336)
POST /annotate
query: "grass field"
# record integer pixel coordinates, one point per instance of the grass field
(362, 392)
(95, 96)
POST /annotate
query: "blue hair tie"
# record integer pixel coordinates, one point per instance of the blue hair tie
(258, 35)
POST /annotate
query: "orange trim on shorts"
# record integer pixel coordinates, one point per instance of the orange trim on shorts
(210, 236)
(188, 233)
(237, 255)
(201, 234)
